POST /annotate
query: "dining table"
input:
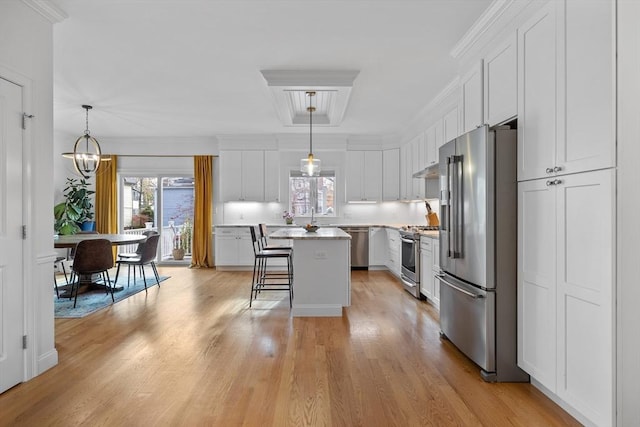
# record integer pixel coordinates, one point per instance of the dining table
(68, 241)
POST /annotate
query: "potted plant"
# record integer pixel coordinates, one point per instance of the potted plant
(288, 217)
(181, 239)
(76, 210)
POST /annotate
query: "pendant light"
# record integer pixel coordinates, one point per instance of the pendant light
(310, 166)
(86, 153)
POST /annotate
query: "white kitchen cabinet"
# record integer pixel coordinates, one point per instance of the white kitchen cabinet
(435, 269)
(394, 263)
(426, 260)
(566, 288)
(242, 175)
(450, 128)
(391, 174)
(418, 160)
(406, 178)
(433, 141)
(566, 89)
(472, 104)
(271, 176)
(378, 247)
(364, 176)
(233, 247)
(500, 82)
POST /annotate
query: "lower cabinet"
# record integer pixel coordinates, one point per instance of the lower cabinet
(378, 247)
(566, 289)
(394, 263)
(429, 260)
(435, 269)
(233, 247)
(426, 278)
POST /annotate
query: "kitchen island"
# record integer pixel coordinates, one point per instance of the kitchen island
(321, 270)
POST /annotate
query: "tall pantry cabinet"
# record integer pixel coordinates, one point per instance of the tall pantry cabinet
(566, 202)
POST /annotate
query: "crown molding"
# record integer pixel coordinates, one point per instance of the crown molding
(48, 9)
(480, 27)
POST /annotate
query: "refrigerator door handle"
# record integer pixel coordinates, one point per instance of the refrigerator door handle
(449, 208)
(451, 285)
(455, 206)
(459, 206)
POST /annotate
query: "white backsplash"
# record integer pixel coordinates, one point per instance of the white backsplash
(350, 213)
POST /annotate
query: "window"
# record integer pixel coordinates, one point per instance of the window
(317, 192)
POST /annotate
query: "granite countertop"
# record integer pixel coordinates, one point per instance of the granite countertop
(298, 233)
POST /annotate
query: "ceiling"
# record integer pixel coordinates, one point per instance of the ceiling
(192, 68)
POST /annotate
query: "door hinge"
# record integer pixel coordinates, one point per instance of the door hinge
(24, 232)
(26, 116)
(24, 342)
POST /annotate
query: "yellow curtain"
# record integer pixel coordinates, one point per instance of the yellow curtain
(107, 198)
(201, 255)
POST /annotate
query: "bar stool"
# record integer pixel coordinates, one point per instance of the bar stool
(269, 281)
(263, 240)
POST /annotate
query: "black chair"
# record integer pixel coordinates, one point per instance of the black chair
(91, 257)
(263, 240)
(140, 247)
(262, 280)
(147, 256)
(60, 261)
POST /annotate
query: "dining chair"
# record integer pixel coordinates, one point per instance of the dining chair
(262, 279)
(91, 257)
(60, 261)
(147, 256)
(140, 247)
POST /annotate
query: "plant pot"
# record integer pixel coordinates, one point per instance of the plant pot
(88, 226)
(178, 254)
(289, 221)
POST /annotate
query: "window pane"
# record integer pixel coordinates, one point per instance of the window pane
(312, 192)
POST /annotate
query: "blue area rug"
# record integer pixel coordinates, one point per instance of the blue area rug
(95, 300)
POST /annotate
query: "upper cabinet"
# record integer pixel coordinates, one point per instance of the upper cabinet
(500, 83)
(271, 176)
(433, 141)
(242, 175)
(364, 176)
(450, 128)
(472, 104)
(391, 174)
(566, 89)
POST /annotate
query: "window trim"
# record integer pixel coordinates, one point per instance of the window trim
(325, 172)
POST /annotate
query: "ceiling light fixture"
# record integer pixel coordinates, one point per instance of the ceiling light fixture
(86, 157)
(310, 166)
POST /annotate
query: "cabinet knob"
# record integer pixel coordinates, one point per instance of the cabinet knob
(550, 183)
(557, 181)
(557, 168)
(549, 170)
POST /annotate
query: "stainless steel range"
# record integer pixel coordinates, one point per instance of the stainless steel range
(410, 272)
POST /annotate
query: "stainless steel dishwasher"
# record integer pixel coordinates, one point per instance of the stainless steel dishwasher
(359, 246)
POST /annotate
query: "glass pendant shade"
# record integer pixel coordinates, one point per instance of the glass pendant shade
(310, 166)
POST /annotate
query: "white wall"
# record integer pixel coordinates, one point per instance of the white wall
(26, 57)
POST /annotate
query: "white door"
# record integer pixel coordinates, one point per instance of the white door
(11, 297)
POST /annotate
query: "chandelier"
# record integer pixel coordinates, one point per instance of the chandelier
(310, 166)
(86, 153)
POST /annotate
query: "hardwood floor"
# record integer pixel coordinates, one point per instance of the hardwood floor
(193, 353)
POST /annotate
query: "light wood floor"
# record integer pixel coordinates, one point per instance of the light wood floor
(192, 353)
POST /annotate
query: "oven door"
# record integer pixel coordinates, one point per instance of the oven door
(410, 267)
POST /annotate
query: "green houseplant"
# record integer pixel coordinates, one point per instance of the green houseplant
(75, 209)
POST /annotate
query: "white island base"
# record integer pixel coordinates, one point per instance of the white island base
(321, 271)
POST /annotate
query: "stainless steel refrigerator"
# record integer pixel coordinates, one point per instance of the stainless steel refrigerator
(478, 249)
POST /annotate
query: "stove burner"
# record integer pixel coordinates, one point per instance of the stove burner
(416, 228)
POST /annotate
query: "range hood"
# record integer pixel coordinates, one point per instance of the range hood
(429, 172)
